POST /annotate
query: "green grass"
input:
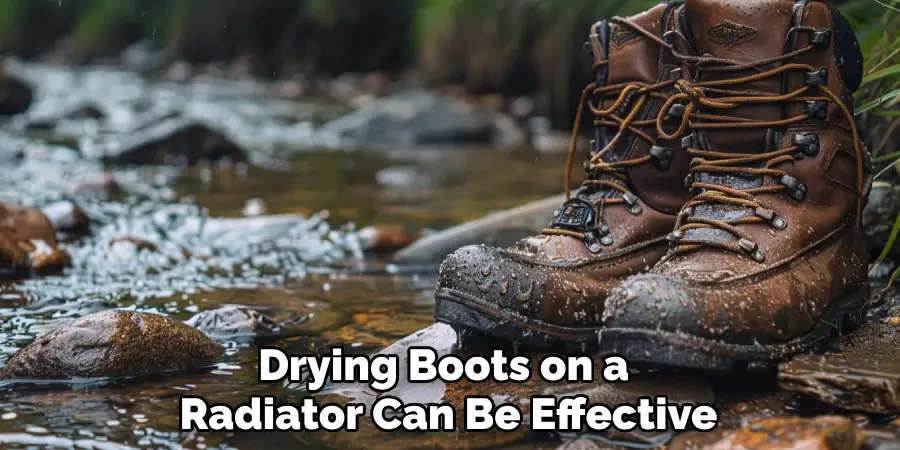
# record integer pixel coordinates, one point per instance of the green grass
(877, 24)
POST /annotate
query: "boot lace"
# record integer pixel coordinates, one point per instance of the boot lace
(715, 95)
(608, 175)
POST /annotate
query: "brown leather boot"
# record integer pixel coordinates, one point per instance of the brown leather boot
(551, 288)
(768, 258)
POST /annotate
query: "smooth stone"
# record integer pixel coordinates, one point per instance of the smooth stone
(239, 323)
(420, 118)
(500, 229)
(113, 344)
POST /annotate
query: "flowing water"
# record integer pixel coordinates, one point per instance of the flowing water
(343, 296)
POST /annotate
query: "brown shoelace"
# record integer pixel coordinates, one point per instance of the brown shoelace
(608, 117)
(734, 163)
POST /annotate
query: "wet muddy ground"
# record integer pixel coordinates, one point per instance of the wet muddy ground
(269, 251)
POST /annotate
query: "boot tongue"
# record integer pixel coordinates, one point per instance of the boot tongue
(741, 30)
(745, 32)
(631, 57)
(634, 57)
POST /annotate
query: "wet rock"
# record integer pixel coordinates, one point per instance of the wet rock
(14, 260)
(15, 95)
(235, 323)
(499, 229)
(168, 141)
(383, 239)
(27, 231)
(818, 433)
(67, 217)
(113, 344)
(864, 377)
(419, 118)
(26, 224)
(104, 184)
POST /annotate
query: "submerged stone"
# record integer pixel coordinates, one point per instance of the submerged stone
(864, 377)
(420, 118)
(817, 433)
(235, 322)
(113, 344)
(166, 141)
(499, 229)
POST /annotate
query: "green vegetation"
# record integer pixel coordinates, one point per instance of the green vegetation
(877, 23)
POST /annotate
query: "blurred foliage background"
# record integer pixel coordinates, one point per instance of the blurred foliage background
(507, 47)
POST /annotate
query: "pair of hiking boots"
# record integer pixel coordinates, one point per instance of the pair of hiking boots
(719, 223)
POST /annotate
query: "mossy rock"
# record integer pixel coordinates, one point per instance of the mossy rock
(113, 344)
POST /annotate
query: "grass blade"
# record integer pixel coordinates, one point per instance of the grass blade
(881, 74)
(878, 101)
(885, 158)
(890, 243)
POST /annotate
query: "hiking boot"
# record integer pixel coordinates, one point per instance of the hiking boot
(769, 257)
(551, 288)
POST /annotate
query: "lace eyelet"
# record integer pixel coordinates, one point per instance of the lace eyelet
(808, 143)
(817, 77)
(816, 109)
(821, 38)
(687, 141)
(770, 216)
(662, 157)
(795, 188)
(631, 203)
(758, 256)
(592, 243)
(752, 249)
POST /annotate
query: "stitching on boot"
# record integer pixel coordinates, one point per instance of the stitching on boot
(731, 33)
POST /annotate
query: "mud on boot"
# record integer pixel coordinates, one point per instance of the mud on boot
(549, 290)
(769, 258)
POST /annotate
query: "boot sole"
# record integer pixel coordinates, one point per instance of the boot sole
(664, 349)
(465, 312)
